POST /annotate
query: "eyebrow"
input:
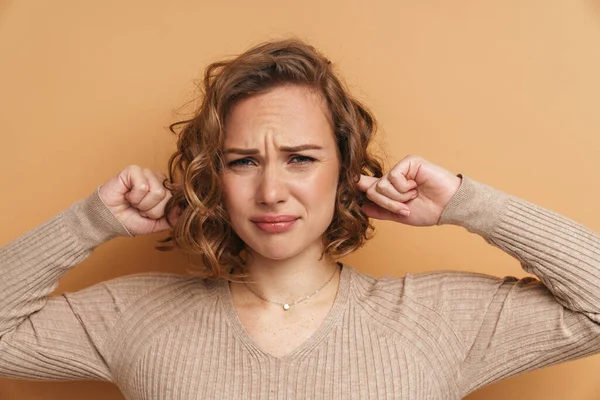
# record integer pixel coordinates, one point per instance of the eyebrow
(286, 149)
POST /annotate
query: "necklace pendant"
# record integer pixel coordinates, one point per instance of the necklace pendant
(286, 306)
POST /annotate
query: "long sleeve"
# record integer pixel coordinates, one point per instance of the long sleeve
(40, 336)
(510, 326)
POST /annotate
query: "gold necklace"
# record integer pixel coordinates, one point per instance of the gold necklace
(287, 306)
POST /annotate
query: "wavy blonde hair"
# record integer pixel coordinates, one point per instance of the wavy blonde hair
(204, 228)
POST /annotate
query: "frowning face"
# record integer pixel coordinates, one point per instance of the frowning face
(281, 171)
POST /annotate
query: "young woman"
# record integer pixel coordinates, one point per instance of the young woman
(271, 184)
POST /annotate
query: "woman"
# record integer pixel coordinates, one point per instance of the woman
(271, 184)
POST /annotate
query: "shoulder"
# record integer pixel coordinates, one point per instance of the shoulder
(436, 286)
(435, 292)
(121, 293)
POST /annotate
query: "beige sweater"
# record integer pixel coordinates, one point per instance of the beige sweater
(433, 335)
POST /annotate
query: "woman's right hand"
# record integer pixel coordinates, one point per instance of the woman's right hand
(137, 198)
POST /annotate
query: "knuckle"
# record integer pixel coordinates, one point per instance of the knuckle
(152, 214)
(382, 184)
(159, 192)
(395, 174)
(371, 194)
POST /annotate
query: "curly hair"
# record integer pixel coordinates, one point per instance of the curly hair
(194, 169)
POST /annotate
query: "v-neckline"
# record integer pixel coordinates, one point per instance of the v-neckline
(340, 302)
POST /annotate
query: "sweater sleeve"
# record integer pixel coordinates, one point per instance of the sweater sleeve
(40, 336)
(509, 326)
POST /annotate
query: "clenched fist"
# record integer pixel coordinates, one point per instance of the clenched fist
(137, 197)
(415, 192)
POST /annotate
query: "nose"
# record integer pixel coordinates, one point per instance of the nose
(271, 188)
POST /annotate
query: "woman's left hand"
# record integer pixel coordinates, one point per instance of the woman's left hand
(414, 185)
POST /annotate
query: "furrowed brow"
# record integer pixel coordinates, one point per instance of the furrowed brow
(245, 152)
(286, 149)
(293, 149)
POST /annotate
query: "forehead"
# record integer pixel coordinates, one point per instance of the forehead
(288, 115)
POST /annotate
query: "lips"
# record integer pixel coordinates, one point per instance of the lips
(275, 223)
(272, 219)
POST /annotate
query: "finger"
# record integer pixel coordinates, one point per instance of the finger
(387, 203)
(174, 216)
(136, 183)
(156, 191)
(374, 211)
(366, 182)
(385, 187)
(161, 225)
(158, 211)
(398, 179)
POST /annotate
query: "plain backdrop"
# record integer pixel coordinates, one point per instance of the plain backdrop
(506, 92)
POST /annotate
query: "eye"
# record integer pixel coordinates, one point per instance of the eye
(241, 162)
(298, 159)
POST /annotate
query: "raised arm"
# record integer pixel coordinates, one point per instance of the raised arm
(526, 324)
(491, 328)
(42, 337)
(31, 267)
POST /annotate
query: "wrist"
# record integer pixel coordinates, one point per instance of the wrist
(92, 222)
(476, 207)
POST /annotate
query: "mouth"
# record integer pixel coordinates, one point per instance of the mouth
(275, 223)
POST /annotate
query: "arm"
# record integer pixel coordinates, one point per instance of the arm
(40, 336)
(62, 337)
(489, 328)
(524, 324)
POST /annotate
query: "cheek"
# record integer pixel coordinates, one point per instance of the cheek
(318, 193)
(233, 195)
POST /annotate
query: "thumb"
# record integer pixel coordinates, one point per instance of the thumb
(366, 182)
(167, 221)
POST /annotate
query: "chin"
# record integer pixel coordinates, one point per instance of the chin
(275, 252)
(281, 246)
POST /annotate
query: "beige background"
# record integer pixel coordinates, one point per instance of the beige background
(505, 91)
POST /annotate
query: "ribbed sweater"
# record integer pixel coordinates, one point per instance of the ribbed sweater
(435, 335)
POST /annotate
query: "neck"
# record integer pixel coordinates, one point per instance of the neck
(286, 281)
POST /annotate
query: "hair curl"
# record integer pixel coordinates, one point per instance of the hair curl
(204, 227)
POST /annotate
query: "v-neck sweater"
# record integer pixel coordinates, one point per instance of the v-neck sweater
(433, 335)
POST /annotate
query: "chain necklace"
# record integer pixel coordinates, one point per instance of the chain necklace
(286, 306)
